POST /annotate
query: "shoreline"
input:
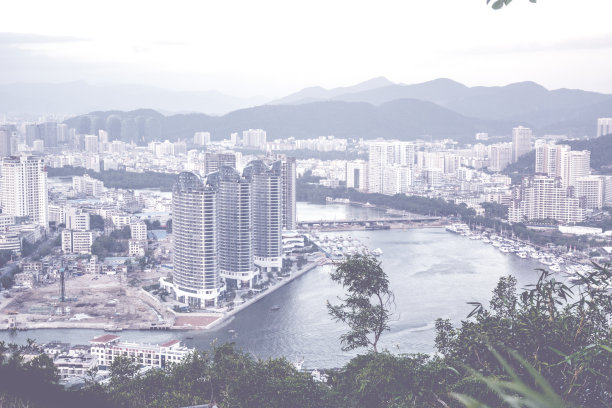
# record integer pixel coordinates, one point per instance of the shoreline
(229, 315)
(221, 318)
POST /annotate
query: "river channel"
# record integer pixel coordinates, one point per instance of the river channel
(432, 272)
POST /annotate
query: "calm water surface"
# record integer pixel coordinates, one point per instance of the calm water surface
(433, 273)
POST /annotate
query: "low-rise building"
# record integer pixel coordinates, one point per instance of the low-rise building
(24, 280)
(75, 365)
(77, 242)
(10, 242)
(137, 247)
(108, 347)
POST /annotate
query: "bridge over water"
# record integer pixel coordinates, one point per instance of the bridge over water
(372, 222)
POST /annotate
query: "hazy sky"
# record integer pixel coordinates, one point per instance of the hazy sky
(271, 48)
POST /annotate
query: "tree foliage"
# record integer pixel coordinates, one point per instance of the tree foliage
(547, 345)
(497, 4)
(366, 308)
(225, 375)
(120, 178)
(563, 332)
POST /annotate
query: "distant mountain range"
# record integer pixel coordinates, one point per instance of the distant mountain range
(375, 108)
(523, 102)
(405, 119)
(81, 97)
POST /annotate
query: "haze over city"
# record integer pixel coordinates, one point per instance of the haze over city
(280, 204)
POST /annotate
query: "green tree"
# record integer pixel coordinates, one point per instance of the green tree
(96, 222)
(563, 332)
(366, 308)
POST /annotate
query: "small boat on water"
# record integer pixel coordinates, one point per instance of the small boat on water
(377, 252)
(113, 329)
(275, 307)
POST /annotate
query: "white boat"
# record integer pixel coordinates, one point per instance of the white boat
(555, 268)
(522, 255)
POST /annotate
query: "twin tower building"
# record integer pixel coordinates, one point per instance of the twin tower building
(227, 228)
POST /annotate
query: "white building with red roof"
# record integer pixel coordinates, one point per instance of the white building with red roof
(108, 347)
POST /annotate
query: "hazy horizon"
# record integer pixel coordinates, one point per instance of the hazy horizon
(273, 48)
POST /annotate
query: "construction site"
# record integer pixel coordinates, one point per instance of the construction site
(101, 301)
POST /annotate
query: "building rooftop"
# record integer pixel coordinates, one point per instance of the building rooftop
(169, 343)
(107, 338)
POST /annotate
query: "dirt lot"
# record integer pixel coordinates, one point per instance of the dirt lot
(95, 301)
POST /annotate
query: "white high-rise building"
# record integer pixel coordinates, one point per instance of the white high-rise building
(76, 242)
(500, 156)
(548, 158)
(76, 219)
(398, 179)
(254, 138)
(542, 197)
(267, 196)
(592, 190)
(573, 165)
(23, 189)
(604, 126)
(103, 136)
(608, 191)
(57, 214)
(380, 155)
(357, 175)
(62, 132)
(5, 141)
(434, 177)
(404, 153)
(201, 138)
(138, 230)
(196, 278)
(91, 144)
(235, 225)
(288, 173)
(521, 142)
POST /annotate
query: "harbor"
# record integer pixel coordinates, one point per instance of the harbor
(433, 273)
(339, 247)
(551, 259)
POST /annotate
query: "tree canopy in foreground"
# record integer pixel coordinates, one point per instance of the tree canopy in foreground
(548, 345)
